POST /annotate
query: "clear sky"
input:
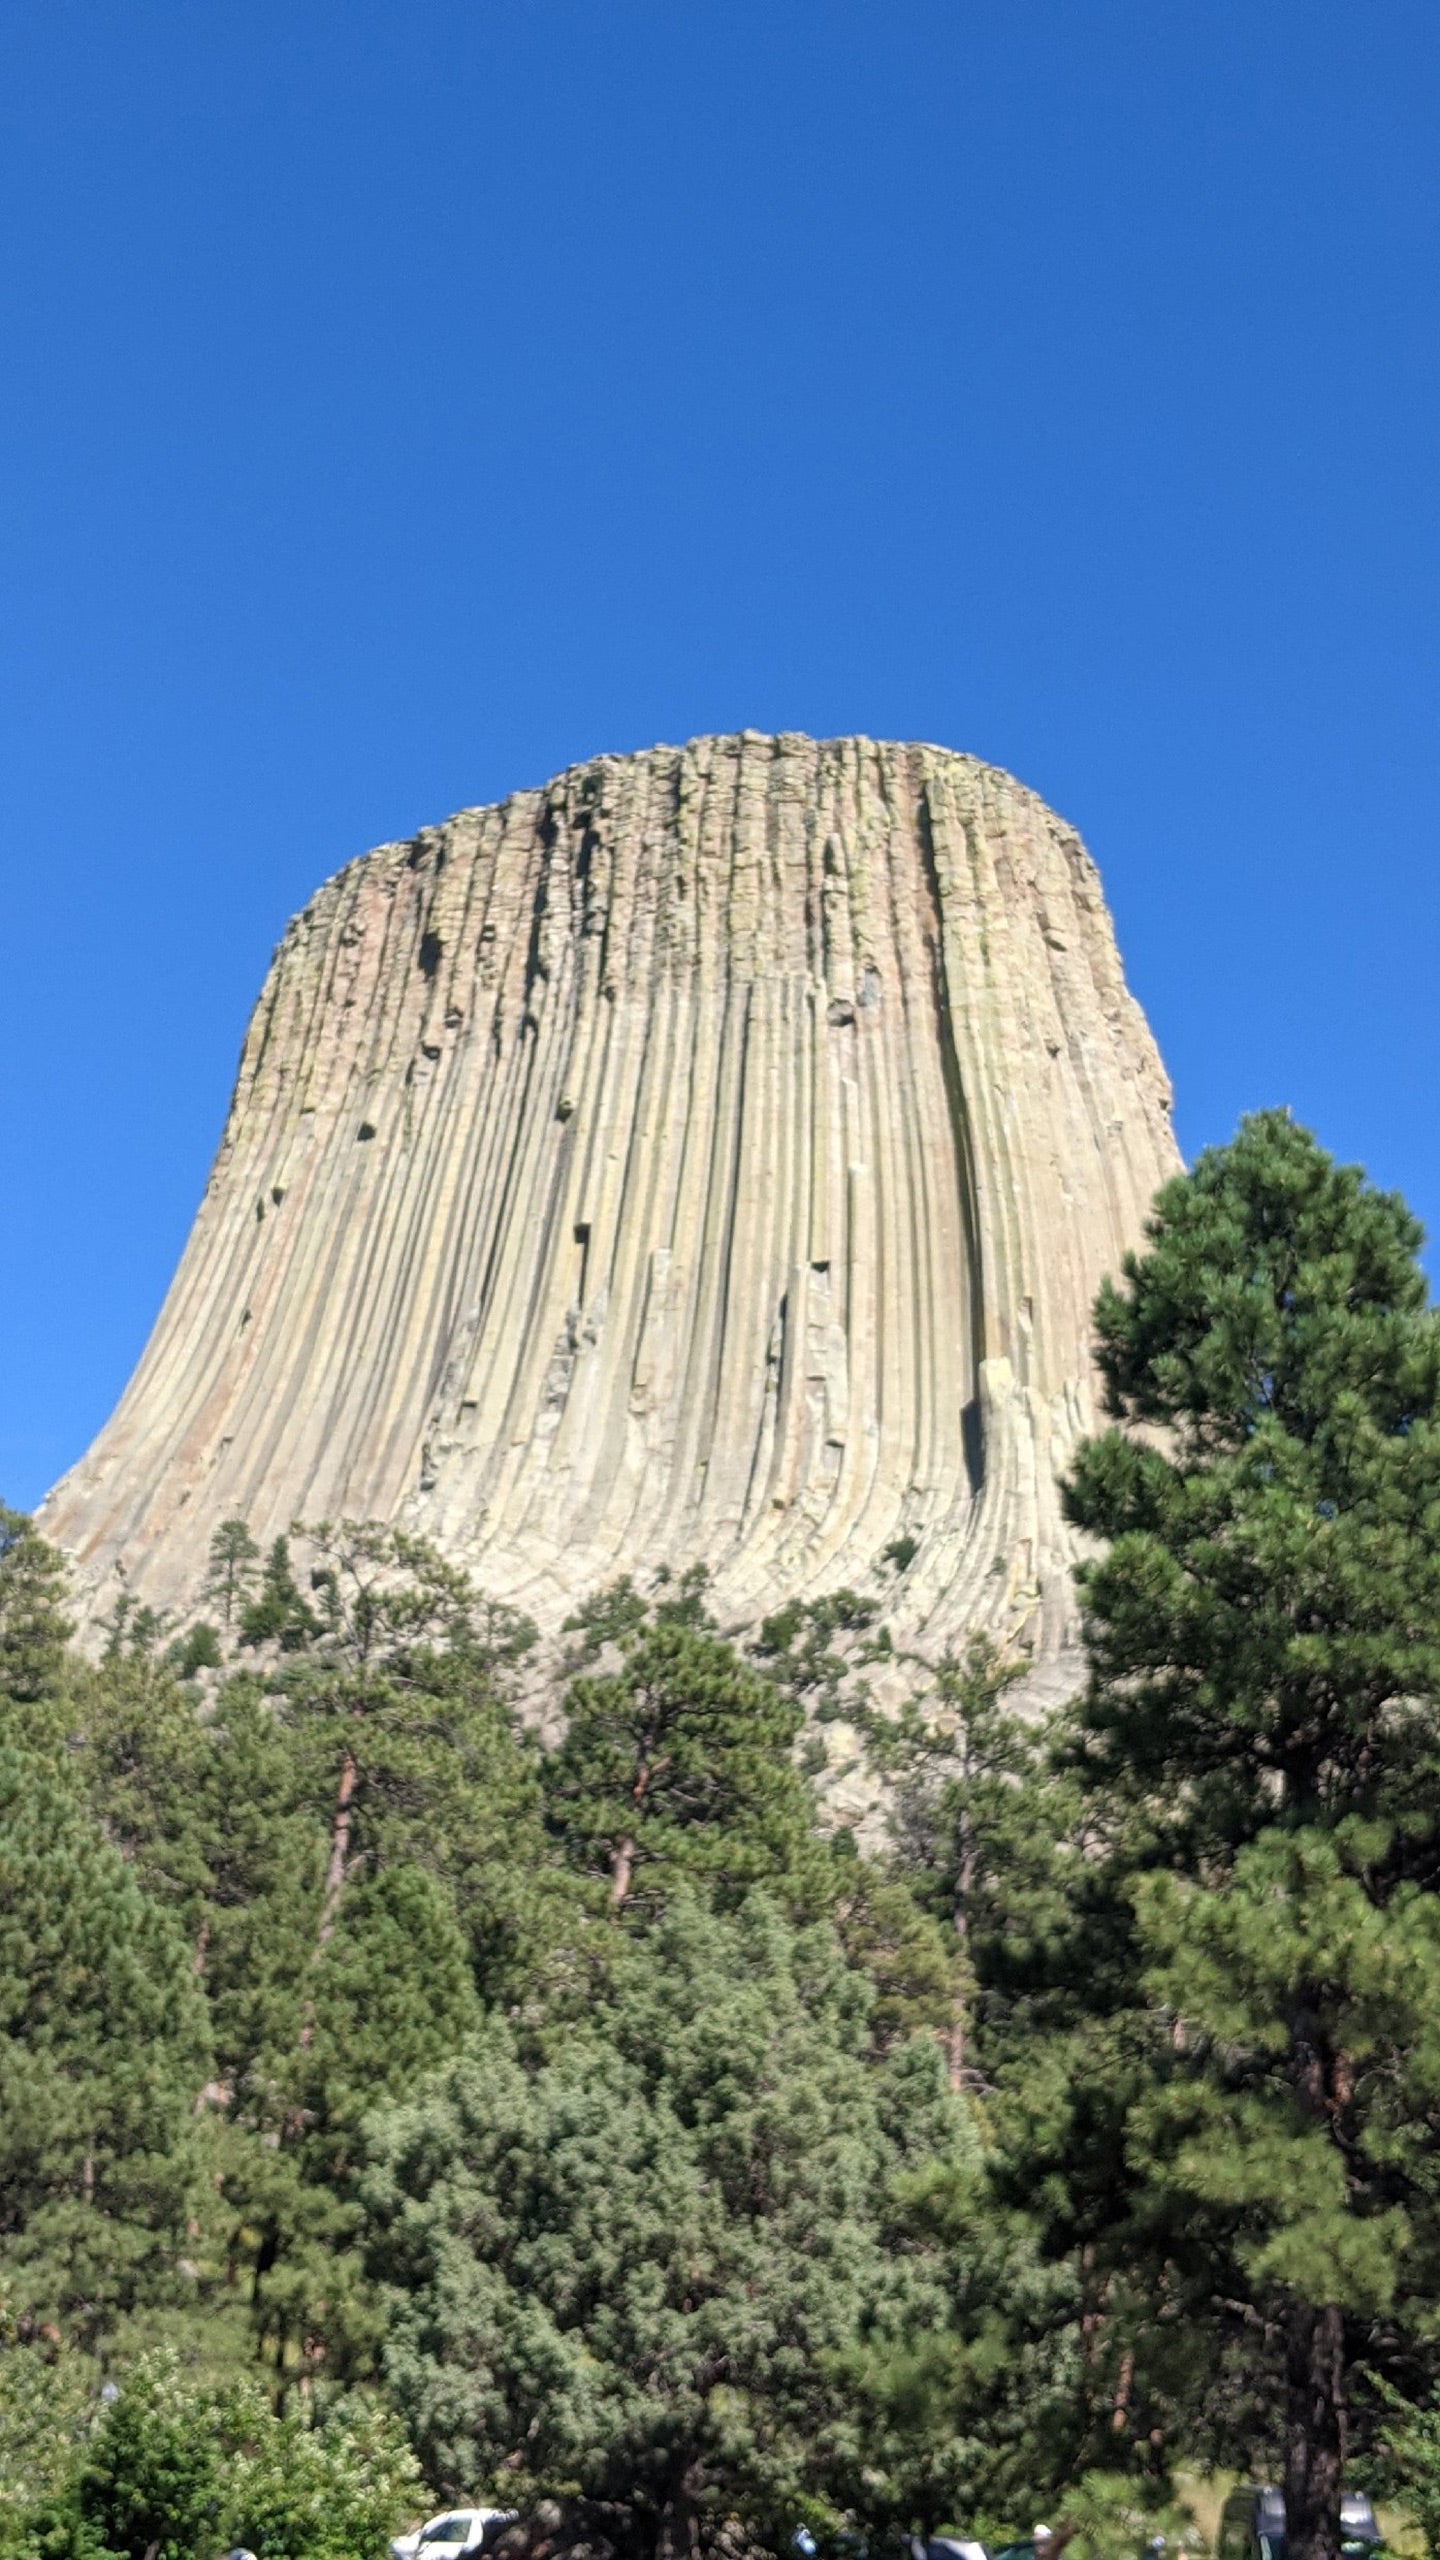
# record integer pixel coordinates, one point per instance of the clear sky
(401, 399)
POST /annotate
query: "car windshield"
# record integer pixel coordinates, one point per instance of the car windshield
(446, 2529)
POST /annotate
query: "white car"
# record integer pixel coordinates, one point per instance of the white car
(459, 2535)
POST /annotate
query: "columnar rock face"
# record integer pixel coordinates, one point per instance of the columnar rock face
(710, 1157)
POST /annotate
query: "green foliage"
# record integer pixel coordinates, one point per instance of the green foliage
(628, 2265)
(149, 2487)
(980, 1822)
(34, 1629)
(382, 1594)
(48, 2397)
(1110, 2515)
(402, 1880)
(816, 1652)
(1248, 2129)
(176, 2468)
(336, 2490)
(330, 1980)
(978, 2407)
(199, 1649)
(679, 1765)
(362, 1859)
(142, 1759)
(103, 2046)
(650, 2146)
(704, 2127)
(1412, 2462)
(403, 1741)
(279, 1614)
(393, 1996)
(132, 1630)
(234, 1565)
(907, 1954)
(1257, 1748)
(1271, 1591)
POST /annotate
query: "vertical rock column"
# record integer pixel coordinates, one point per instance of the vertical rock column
(711, 1157)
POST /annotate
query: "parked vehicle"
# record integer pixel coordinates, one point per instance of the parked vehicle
(1252, 2526)
(461, 2534)
(946, 2546)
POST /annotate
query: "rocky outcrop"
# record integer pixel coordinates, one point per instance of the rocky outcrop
(711, 1156)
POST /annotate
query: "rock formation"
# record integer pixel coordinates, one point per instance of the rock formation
(711, 1156)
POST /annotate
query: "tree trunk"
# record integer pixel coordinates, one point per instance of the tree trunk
(339, 1851)
(622, 1862)
(1314, 2432)
(679, 2534)
(1120, 2413)
(622, 1867)
(960, 1916)
(341, 1821)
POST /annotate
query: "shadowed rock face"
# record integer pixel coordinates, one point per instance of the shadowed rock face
(712, 1156)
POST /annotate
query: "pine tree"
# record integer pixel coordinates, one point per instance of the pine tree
(633, 2256)
(398, 1687)
(141, 1757)
(975, 1830)
(234, 1564)
(394, 1996)
(177, 2467)
(279, 1614)
(681, 1763)
(34, 1629)
(1412, 2466)
(1262, 1725)
(817, 1652)
(906, 1953)
(103, 2048)
(397, 1868)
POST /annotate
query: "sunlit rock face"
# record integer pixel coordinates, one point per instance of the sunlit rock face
(712, 1156)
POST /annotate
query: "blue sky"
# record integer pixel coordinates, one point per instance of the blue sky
(404, 398)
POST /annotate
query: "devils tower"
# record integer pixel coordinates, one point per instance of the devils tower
(711, 1157)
